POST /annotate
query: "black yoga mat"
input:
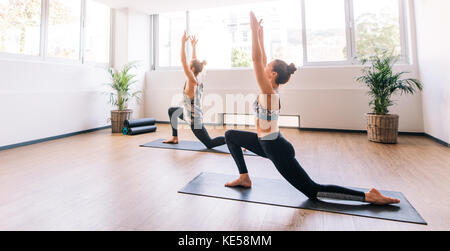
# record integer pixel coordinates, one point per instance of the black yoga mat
(139, 122)
(141, 130)
(191, 146)
(280, 193)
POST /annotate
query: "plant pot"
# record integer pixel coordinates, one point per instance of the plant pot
(118, 118)
(382, 128)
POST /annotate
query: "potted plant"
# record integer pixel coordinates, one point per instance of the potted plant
(121, 94)
(382, 127)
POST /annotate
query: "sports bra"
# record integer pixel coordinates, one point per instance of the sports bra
(263, 113)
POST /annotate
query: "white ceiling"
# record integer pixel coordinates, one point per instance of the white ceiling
(157, 6)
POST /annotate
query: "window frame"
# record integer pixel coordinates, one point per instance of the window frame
(83, 40)
(350, 37)
(155, 44)
(43, 42)
(405, 57)
(18, 56)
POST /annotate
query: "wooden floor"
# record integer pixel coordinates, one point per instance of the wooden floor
(98, 181)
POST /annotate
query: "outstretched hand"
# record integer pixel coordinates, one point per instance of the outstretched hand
(185, 37)
(254, 23)
(261, 30)
(194, 41)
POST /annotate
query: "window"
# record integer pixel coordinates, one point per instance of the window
(97, 32)
(377, 26)
(54, 29)
(225, 34)
(171, 28)
(284, 37)
(64, 29)
(308, 32)
(20, 22)
(220, 33)
(325, 30)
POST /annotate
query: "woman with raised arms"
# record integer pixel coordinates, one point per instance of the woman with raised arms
(192, 110)
(269, 143)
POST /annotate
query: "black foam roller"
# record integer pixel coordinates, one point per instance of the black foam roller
(141, 130)
(140, 122)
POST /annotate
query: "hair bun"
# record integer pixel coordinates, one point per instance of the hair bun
(292, 68)
(204, 62)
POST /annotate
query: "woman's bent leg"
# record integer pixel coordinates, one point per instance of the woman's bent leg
(282, 154)
(203, 136)
(174, 114)
(236, 140)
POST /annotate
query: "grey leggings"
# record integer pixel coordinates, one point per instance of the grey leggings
(282, 155)
(198, 130)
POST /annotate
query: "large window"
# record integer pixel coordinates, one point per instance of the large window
(20, 22)
(325, 30)
(64, 29)
(76, 30)
(97, 32)
(377, 26)
(304, 32)
(225, 34)
(171, 28)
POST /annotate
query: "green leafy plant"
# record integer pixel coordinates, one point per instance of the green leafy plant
(121, 85)
(240, 58)
(383, 82)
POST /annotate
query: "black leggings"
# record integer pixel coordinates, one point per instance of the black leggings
(282, 154)
(198, 130)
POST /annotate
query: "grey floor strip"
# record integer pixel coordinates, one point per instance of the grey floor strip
(32, 142)
(280, 193)
(191, 146)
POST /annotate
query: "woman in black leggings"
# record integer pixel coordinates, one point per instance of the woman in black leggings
(269, 143)
(192, 111)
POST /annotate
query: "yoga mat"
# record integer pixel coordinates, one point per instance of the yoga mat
(139, 122)
(141, 130)
(191, 146)
(281, 193)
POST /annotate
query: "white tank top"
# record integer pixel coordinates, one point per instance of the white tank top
(193, 108)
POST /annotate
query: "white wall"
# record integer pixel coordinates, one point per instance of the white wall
(131, 39)
(41, 99)
(433, 39)
(323, 97)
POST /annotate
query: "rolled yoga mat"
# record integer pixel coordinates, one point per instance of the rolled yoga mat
(140, 130)
(139, 122)
(281, 193)
(196, 146)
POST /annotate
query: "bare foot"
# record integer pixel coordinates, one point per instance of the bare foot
(375, 197)
(244, 149)
(243, 181)
(173, 140)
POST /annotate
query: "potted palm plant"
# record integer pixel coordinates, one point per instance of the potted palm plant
(382, 82)
(121, 94)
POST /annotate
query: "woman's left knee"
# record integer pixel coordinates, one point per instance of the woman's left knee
(229, 135)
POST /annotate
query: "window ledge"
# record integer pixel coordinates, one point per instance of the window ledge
(6, 57)
(306, 67)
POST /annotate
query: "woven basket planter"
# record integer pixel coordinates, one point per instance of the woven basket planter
(118, 118)
(382, 128)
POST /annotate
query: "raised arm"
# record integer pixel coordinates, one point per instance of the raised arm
(261, 42)
(187, 70)
(258, 57)
(194, 42)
